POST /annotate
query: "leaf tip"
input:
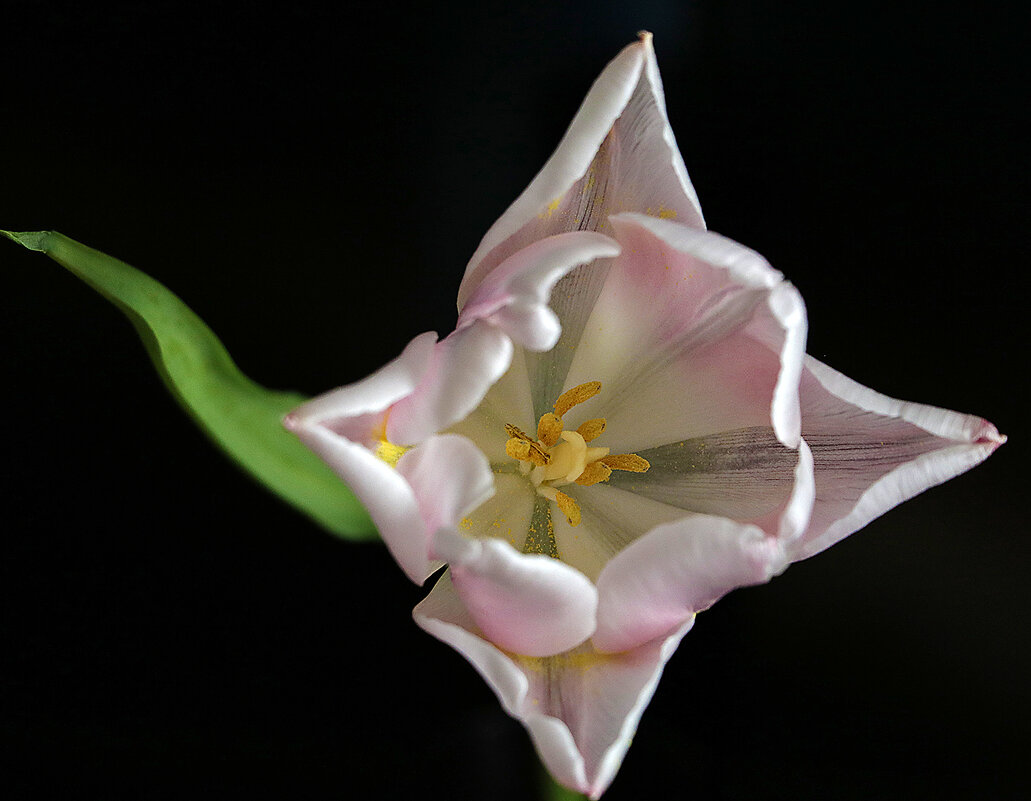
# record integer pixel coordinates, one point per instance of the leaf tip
(33, 240)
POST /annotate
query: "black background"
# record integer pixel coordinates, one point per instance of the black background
(312, 182)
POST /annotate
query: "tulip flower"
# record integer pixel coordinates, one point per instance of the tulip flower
(622, 428)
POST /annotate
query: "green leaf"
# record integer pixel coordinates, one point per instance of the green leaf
(243, 418)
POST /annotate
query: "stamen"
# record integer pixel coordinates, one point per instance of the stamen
(569, 507)
(549, 428)
(558, 463)
(592, 429)
(578, 394)
(630, 462)
(515, 431)
(518, 449)
(594, 473)
(536, 453)
(389, 452)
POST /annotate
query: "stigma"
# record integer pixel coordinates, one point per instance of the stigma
(558, 456)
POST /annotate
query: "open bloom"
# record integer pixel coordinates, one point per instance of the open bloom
(622, 428)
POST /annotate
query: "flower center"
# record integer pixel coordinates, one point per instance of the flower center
(559, 457)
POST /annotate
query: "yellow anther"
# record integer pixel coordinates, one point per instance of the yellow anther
(569, 507)
(389, 452)
(594, 473)
(518, 449)
(517, 432)
(536, 453)
(592, 429)
(627, 461)
(539, 457)
(549, 428)
(526, 451)
(571, 397)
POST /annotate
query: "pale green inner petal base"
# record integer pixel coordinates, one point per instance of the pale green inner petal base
(508, 401)
(612, 518)
(509, 515)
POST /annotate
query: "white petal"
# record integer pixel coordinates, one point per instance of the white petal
(662, 579)
(525, 603)
(449, 476)
(580, 708)
(514, 296)
(592, 123)
(462, 370)
(692, 335)
(619, 154)
(390, 383)
(443, 615)
(383, 491)
(611, 519)
(871, 452)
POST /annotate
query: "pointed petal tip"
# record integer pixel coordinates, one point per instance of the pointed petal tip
(645, 37)
(989, 435)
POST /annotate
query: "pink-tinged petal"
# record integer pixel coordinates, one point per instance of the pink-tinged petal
(514, 297)
(462, 369)
(661, 580)
(526, 603)
(449, 477)
(872, 452)
(619, 154)
(568, 164)
(615, 697)
(581, 708)
(434, 485)
(373, 394)
(383, 491)
(692, 335)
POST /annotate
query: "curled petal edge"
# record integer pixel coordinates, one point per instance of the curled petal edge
(395, 380)
(783, 302)
(463, 367)
(525, 603)
(443, 615)
(662, 579)
(604, 103)
(515, 295)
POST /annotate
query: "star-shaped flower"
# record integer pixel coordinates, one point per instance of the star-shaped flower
(622, 428)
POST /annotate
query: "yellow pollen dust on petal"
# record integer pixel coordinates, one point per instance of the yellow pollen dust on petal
(549, 428)
(578, 394)
(592, 429)
(630, 462)
(551, 208)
